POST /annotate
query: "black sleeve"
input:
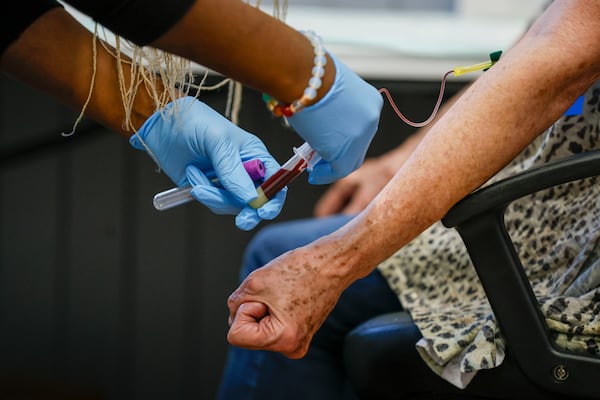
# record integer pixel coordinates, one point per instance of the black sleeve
(15, 21)
(139, 21)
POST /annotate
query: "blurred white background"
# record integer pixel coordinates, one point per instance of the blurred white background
(413, 39)
(406, 39)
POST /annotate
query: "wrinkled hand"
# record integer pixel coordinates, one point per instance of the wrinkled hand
(189, 138)
(280, 306)
(341, 125)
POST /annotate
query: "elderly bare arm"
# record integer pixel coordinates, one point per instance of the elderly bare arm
(280, 306)
(503, 111)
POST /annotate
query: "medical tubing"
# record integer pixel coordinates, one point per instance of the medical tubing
(483, 66)
(433, 113)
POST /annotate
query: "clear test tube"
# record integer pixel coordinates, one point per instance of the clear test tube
(304, 158)
(181, 195)
(172, 198)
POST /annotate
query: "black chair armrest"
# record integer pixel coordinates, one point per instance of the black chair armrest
(479, 219)
(500, 194)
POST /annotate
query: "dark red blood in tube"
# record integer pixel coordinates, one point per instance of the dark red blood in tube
(281, 178)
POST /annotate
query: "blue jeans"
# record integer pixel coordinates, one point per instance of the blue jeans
(262, 375)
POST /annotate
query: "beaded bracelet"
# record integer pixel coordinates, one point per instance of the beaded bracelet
(280, 109)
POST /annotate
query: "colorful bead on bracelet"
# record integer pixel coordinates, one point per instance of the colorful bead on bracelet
(310, 93)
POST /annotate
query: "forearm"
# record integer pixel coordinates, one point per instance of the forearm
(254, 48)
(496, 118)
(55, 55)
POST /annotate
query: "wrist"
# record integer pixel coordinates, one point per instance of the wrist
(351, 253)
(313, 82)
(328, 79)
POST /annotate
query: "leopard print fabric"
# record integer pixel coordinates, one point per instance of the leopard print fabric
(557, 236)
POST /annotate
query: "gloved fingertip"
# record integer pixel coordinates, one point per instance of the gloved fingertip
(244, 194)
(216, 200)
(273, 207)
(247, 219)
(267, 212)
(322, 174)
(135, 141)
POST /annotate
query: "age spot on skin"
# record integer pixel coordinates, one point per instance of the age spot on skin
(307, 267)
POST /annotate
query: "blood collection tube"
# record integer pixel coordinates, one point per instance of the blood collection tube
(304, 158)
(181, 195)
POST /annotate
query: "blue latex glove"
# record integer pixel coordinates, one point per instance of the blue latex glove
(341, 125)
(189, 137)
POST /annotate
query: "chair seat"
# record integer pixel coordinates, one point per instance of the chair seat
(383, 364)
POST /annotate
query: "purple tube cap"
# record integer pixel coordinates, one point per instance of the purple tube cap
(255, 168)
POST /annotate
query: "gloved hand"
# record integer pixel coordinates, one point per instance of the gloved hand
(341, 125)
(188, 137)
